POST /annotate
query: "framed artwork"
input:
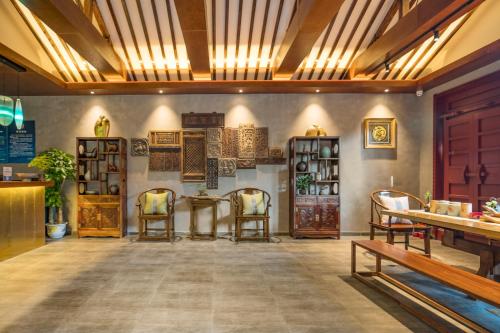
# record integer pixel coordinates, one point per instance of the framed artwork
(165, 139)
(380, 133)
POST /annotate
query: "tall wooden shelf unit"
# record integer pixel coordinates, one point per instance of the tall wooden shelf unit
(100, 213)
(316, 213)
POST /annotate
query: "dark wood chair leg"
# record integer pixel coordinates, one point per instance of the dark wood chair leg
(141, 228)
(372, 232)
(266, 229)
(238, 230)
(427, 242)
(407, 240)
(390, 237)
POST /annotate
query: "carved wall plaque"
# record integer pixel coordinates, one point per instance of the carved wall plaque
(245, 164)
(214, 149)
(139, 147)
(194, 157)
(164, 139)
(164, 160)
(261, 142)
(276, 152)
(230, 142)
(246, 141)
(202, 120)
(227, 167)
(214, 134)
(212, 173)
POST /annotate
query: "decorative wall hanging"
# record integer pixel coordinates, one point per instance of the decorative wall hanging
(380, 133)
(202, 120)
(164, 160)
(315, 130)
(194, 157)
(275, 152)
(246, 141)
(214, 134)
(139, 147)
(229, 142)
(214, 150)
(227, 167)
(102, 127)
(165, 139)
(261, 142)
(245, 163)
(212, 173)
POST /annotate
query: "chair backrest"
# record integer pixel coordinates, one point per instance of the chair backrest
(235, 199)
(377, 205)
(141, 199)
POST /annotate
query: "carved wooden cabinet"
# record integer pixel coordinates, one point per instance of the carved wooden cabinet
(315, 211)
(102, 187)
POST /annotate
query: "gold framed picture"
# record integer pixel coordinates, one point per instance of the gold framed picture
(380, 133)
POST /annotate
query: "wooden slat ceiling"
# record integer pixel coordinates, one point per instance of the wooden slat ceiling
(243, 40)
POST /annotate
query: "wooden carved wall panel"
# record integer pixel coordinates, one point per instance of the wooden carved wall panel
(214, 134)
(245, 164)
(164, 139)
(212, 173)
(246, 141)
(202, 120)
(227, 167)
(110, 217)
(194, 157)
(214, 150)
(139, 147)
(164, 160)
(261, 142)
(276, 152)
(230, 143)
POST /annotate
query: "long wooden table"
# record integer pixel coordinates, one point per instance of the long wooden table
(489, 230)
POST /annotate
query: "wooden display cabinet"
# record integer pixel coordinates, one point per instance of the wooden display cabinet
(102, 186)
(315, 213)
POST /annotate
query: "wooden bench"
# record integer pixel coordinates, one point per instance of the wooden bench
(473, 285)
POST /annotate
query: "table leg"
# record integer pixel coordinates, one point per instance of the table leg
(214, 221)
(486, 262)
(191, 221)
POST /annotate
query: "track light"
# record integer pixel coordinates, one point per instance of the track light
(387, 68)
(436, 35)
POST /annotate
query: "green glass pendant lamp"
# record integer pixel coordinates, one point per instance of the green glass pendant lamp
(18, 109)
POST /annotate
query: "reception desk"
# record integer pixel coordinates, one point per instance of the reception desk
(22, 216)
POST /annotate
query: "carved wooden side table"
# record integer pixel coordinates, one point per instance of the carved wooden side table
(196, 202)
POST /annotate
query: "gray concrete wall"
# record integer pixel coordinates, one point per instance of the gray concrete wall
(60, 119)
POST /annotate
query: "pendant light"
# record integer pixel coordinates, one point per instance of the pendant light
(18, 110)
(6, 107)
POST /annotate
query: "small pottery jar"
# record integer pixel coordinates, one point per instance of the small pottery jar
(465, 209)
(326, 152)
(454, 208)
(87, 176)
(301, 166)
(442, 207)
(325, 190)
(113, 189)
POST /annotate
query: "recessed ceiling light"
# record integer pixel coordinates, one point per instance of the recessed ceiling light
(160, 91)
(240, 91)
(317, 90)
(92, 92)
(386, 90)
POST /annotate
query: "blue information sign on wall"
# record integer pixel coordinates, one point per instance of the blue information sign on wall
(17, 146)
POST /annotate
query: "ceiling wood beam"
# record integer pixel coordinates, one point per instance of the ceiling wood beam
(193, 23)
(410, 31)
(477, 59)
(309, 21)
(74, 27)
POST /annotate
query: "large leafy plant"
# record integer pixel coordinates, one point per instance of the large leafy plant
(58, 167)
(304, 181)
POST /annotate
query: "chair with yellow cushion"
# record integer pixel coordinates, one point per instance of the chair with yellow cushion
(250, 205)
(156, 205)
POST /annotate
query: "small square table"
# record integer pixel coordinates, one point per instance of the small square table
(198, 201)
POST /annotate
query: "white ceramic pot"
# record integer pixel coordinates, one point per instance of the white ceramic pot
(454, 208)
(56, 231)
(442, 207)
(465, 209)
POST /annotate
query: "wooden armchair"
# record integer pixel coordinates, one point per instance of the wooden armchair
(392, 227)
(168, 218)
(240, 218)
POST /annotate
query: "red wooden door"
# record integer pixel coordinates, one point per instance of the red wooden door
(471, 156)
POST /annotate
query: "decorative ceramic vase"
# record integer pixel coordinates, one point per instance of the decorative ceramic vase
(315, 130)
(102, 127)
(454, 208)
(81, 188)
(325, 190)
(442, 207)
(81, 150)
(336, 149)
(325, 152)
(87, 176)
(465, 209)
(113, 189)
(335, 188)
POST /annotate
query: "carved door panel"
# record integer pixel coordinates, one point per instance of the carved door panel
(306, 218)
(110, 216)
(88, 216)
(328, 216)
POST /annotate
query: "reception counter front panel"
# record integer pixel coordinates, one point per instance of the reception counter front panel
(22, 217)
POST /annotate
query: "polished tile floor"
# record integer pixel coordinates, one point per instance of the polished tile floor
(112, 285)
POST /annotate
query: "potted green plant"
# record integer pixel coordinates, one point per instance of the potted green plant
(57, 166)
(303, 183)
(428, 198)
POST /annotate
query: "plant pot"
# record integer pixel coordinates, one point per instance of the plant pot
(56, 231)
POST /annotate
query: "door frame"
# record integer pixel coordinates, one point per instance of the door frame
(444, 106)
